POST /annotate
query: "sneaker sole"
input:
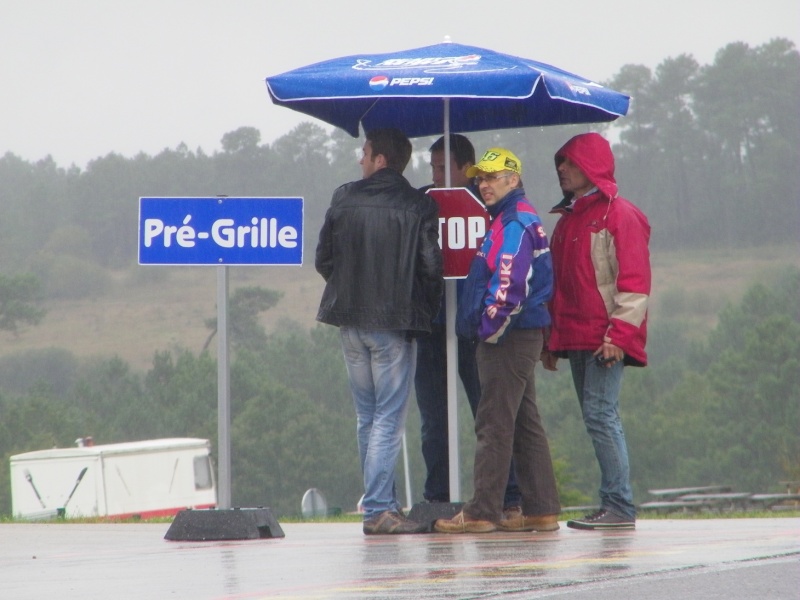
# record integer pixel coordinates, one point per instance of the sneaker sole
(579, 525)
(399, 531)
(468, 528)
(529, 528)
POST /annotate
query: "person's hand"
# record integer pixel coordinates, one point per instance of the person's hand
(549, 360)
(608, 355)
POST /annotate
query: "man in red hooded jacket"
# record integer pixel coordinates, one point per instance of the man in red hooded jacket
(601, 266)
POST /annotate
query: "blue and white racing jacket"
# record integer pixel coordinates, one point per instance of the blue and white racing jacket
(510, 279)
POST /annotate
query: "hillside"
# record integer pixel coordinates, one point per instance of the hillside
(167, 309)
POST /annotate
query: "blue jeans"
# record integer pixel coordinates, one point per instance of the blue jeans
(598, 394)
(431, 391)
(380, 367)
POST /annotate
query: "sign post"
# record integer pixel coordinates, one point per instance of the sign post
(223, 392)
(463, 222)
(221, 231)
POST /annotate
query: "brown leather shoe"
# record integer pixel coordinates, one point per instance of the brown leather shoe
(523, 523)
(463, 524)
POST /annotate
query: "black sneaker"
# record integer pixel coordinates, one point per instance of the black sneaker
(392, 522)
(602, 519)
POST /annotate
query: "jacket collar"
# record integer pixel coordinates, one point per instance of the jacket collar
(565, 206)
(385, 173)
(569, 204)
(510, 199)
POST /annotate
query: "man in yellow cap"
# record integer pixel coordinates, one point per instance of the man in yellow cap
(504, 307)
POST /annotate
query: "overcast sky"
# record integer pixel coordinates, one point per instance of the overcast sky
(82, 78)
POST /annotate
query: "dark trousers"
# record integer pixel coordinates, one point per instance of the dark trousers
(508, 424)
(431, 391)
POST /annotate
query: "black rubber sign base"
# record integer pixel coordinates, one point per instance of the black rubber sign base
(224, 524)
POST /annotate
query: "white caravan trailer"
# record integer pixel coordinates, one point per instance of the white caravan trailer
(149, 478)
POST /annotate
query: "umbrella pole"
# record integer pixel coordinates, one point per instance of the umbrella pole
(447, 175)
(452, 391)
(451, 345)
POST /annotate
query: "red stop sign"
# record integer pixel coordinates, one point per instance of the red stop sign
(463, 221)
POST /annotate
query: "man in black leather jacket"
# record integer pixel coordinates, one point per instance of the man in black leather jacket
(379, 254)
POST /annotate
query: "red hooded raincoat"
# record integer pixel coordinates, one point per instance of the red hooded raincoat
(601, 261)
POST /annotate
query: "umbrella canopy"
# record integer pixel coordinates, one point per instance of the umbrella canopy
(484, 89)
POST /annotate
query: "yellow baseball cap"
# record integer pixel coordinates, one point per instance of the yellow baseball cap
(494, 160)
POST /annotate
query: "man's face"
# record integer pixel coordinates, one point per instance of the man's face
(458, 177)
(572, 179)
(367, 162)
(495, 186)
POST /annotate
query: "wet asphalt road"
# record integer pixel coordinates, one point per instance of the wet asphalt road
(661, 559)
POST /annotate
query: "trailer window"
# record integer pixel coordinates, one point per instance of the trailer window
(202, 473)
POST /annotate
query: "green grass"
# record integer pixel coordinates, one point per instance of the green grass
(341, 518)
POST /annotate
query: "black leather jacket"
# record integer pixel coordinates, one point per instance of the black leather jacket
(379, 254)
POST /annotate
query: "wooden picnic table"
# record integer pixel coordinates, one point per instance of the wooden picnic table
(731, 499)
(675, 493)
(668, 506)
(687, 502)
(714, 497)
(770, 500)
(588, 508)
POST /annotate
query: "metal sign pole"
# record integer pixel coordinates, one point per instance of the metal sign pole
(223, 393)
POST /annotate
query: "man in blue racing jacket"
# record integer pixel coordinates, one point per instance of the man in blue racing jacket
(504, 308)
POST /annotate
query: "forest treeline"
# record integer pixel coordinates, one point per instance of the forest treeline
(710, 152)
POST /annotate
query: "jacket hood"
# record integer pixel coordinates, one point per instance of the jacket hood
(592, 154)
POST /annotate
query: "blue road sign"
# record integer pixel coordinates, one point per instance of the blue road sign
(220, 231)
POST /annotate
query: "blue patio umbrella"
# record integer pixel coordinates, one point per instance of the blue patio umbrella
(441, 88)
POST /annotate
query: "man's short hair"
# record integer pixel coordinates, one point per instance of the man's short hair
(461, 149)
(394, 146)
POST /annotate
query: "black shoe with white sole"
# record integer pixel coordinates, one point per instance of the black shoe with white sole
(602, 519)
